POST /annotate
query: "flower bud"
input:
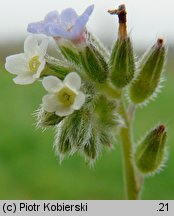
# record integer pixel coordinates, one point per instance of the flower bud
(94, 63)
(58, 68)
(50, 119)
(150, 153)
(122, 63)
(149, 77)
(72, 133)
(46, 119)
(68, 50)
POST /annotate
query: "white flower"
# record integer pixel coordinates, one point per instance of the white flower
(28, 65)
(64, 96)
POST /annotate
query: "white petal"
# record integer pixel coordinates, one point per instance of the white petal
(31, 46)
(52, 84)
(50, 103)
(73, 80)
(43, 47)
(64, 110)
(40, 69)
(79, 101)
(16, 64)
(24, 79)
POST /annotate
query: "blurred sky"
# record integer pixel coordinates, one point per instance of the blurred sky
(147, 19)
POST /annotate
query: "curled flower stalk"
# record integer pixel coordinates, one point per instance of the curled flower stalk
(86, 86)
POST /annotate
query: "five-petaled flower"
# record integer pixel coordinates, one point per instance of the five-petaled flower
(67, 25)
(63, 96)
(28, 65)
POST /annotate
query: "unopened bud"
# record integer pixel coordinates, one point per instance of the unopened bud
(58, 68)
(46, 119)
(68, 50)
(122, 63)
(149, 77)
(150, 153)
(94, 63)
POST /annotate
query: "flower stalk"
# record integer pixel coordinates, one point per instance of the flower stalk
(130, 179)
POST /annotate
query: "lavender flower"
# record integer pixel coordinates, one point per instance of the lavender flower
(67, 25)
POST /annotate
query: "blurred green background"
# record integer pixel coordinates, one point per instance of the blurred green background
(29, 168)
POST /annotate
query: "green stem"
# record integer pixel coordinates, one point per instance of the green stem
(131, 184)
(109, 90)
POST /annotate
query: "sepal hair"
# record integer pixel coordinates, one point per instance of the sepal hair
(69, 51)
(99, 46)
(58, 68)
(94, 63)
(89, 129)
(46, 119)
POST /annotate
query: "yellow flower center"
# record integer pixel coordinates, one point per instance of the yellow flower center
(34, 64)
(66, 96)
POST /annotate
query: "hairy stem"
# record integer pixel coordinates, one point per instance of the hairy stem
(109, 90)
(131, 185)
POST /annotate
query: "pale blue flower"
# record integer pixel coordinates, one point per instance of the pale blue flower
(67, 25)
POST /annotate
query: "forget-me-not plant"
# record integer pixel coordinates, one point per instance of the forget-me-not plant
(86, 87)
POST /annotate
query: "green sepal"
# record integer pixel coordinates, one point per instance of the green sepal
(90, 149)
(72, 133)
(58, 68)
(64, 144)
(89, 129)
(105, 112)
(94, 63)
(69, 51)
(122, 63)
(50, 119)
(148, 79)
(107, 120)
(46, 119)
(99, 46)
(151, 151)
(70, 54)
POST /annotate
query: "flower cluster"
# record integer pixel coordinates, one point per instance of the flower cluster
(86, 86)
(64, 96)
(85, 117)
